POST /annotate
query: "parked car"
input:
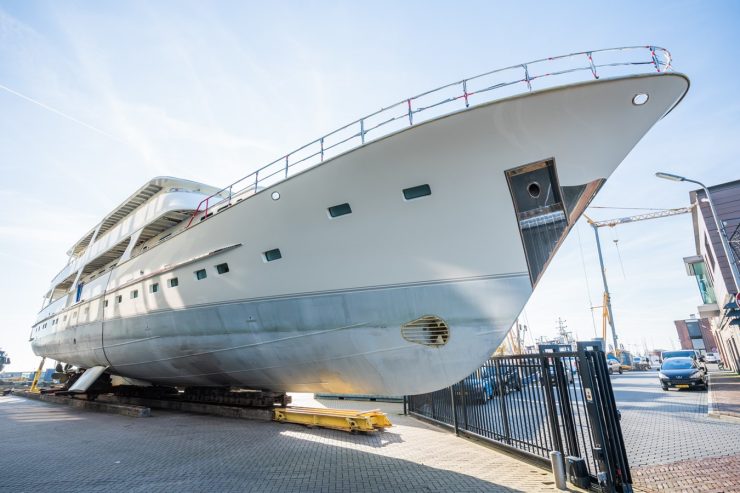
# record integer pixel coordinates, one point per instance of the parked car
(682, 373)
(712, 358)
(477, 387)
(614, 366)
(686, 353)
(509, 375)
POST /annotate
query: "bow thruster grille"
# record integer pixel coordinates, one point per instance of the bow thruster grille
(428, 330)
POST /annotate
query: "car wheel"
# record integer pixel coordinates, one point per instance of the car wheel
(665, 388)
(611, 371)
(621, 371)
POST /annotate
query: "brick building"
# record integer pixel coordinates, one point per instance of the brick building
(696, 333)
(711, 268)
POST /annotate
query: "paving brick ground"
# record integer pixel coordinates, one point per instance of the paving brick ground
(47, 447)
(713, 475)
(672, 443)
(725, 391)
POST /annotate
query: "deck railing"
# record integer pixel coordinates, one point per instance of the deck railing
(489, 86)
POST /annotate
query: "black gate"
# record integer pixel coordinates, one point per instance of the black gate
(536, 403)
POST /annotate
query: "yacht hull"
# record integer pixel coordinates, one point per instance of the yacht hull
(328, 315)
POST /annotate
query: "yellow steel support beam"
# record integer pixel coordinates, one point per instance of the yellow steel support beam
(337, 419)
(34, 386)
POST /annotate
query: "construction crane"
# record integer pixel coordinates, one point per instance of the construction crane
(606, 312)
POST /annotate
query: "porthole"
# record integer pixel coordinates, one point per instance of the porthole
(275, 195)
(339, 210)
(533, 189)
(640, 99)
(416, 192)
(271, 255)
(201, 274)
(222, 268)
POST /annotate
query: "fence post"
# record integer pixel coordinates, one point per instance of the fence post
(552, 411)
(454, 410)
(566, 410)
(502, 400)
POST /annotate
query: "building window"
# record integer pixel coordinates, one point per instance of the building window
(154, 287)
(273, 254)
(172, 282)
(416, 192)
(200, 274)
(708, 248)
(339, 210)
(134, 294)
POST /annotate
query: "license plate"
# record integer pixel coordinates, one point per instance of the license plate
(682, 386)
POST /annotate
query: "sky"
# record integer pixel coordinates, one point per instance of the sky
(98, 97)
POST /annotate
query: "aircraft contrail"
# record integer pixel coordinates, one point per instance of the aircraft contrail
(62, 114)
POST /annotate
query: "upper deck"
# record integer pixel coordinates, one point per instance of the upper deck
(158, 205)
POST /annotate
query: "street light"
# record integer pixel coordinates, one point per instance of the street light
(729, 254)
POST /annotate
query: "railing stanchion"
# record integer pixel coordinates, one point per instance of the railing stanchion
(322, 149)
(256, 180)
(411, 113)
(591, 64)
(526, 77)
(286, 166)
(362, 130)
(465, 93)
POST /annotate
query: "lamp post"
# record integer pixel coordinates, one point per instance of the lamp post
(729, 254)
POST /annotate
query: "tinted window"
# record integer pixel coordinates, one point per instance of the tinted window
(416, 192)
(678, 364)
(200, 274)
(222, 268)
(340, 210)
(271, 255)
(678, 354)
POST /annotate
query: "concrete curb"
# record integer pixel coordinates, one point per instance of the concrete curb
(104, 407)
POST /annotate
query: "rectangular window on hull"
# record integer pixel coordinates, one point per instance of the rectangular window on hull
(273, 254)
(340, 210)
(416, 192)
(172, 282)
(222, 268)
(154, 287)
(119, 298)
(105, 304)
(200, 274)
(134, 294)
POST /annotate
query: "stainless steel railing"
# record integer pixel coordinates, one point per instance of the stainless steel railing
(489, 86)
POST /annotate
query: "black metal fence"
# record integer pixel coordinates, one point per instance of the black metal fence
(536, 403)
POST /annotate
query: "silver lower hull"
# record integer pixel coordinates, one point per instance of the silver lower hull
(335, 342)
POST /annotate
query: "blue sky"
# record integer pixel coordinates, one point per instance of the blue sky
(211, 91)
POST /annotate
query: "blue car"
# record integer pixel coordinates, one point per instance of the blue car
(682, 373)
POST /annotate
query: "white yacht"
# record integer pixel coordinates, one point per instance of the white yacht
(388, 257)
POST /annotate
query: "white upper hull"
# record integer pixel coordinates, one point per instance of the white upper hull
(327, 315)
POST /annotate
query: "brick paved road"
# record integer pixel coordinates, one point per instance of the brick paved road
(672, 443)
(661, 427)
(57, 449)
